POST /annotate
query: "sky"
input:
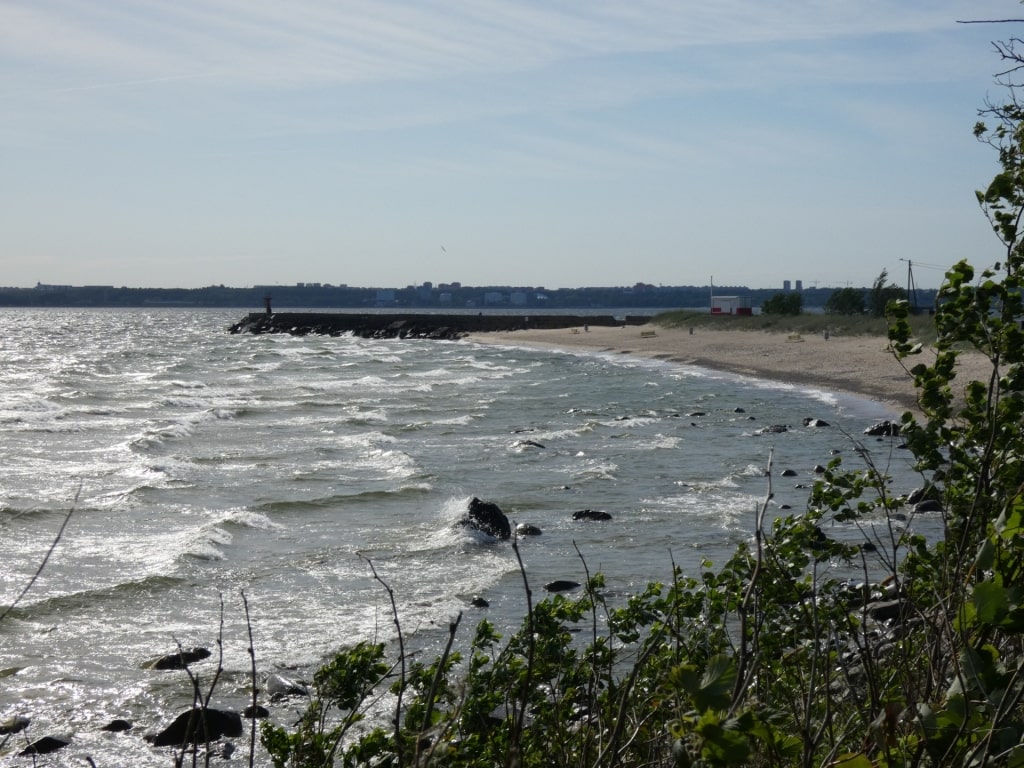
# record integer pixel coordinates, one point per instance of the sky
(383, 143)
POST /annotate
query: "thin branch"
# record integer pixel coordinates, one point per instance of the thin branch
(403, 681)
(46, 558)
(252, 659)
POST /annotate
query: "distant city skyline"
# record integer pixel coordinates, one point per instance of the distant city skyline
(510, 143)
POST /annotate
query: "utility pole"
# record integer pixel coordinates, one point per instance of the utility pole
(911, 287)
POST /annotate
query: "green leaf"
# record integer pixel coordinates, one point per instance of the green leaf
(717, 683)
(852, 760)
(990, 602)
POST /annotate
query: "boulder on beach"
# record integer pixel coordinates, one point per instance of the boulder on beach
(487, 517)
(525, 529)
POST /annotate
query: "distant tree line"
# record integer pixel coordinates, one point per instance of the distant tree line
(843, 301)
(323, 296)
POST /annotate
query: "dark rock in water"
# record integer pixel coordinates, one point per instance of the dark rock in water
(789, 473)
(15, 724)
(887, 610)
(255, 712)
(525, 529)
(928, 505)
(738, 410)
(591, 514)
(487, 517)
(819, 469)
(918, 495)
(561, 585)
(784, 506)
(773, 429)
(117, 726)
(479, 602)
(811, 422)
(694, 414)
(279, 686)
(45, 746)
(883, 429)
(198, 726)
(178, 660)
(523, 444)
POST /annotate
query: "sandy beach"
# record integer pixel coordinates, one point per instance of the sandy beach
(860, 365)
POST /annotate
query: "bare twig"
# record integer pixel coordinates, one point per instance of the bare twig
(438, 673)
(401, 659)
(519, 715)
(252, 660)
(46, 558)
(748, 595)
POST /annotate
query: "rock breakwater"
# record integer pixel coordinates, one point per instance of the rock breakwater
(414, 325)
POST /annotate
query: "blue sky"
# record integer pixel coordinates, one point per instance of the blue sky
(184, 143)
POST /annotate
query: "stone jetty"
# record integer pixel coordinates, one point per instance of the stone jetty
(414, 325)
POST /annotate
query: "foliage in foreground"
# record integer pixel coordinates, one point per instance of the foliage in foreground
(770, 660)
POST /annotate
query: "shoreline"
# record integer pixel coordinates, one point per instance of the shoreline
(861, 366)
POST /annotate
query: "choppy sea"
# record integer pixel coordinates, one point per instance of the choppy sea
(199, 466)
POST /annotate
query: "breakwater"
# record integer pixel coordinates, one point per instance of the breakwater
(413, 325)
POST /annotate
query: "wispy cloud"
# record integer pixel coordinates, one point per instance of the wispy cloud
(311, 42)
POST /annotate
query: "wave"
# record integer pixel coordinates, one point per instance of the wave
(285, 506)
(39, 610)
(179, 429)
(207, 543)
(599, 471)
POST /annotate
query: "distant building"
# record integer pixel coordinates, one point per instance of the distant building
(731, 305)
(799, 285)
(517, 298)
(494, 297)
(385, 297)
(786, 285)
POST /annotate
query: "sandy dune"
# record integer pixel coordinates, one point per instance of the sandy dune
(861, 365)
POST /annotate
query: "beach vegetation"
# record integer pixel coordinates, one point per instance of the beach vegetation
(808, 324)
(791, 303)
(846, 301)
(882, 293)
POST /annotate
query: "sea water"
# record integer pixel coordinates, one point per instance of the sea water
(199, 466)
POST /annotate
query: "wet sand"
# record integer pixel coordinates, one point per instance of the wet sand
(860, 365)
